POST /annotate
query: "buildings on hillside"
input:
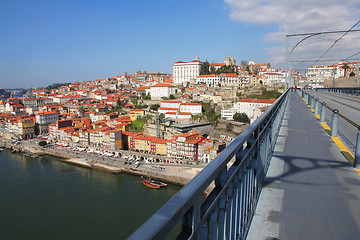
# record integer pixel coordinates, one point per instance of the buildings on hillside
(252, 107)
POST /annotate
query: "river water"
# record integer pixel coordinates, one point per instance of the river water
(44, 198)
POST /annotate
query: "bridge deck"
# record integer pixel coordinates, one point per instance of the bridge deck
(310, 191)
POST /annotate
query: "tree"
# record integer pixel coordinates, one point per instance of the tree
(345, 67)
(241, 117)
(172, 96)
(204, 70)
(352, 74)
(42, 143)
(228, 127)
(134, 101)
(154, 107)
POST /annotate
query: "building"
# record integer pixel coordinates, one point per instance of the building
(44, 119)
(253, 108)
(317, 75)
(170, 104)
(223, 80)
(184, 72)
(162, 90)
(193, 108)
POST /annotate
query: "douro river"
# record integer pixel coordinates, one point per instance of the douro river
(44, 198)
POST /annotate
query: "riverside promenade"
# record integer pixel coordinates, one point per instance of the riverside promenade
(310, 191)
(178, 174)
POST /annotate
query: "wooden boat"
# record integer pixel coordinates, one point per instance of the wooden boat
(135, 170)
(150, 181)
(150, 185)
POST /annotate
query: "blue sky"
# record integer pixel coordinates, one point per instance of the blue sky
(45, 42)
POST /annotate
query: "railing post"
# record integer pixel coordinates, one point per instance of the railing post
(322, 112)
(316, 108)
(311, 102)
(357, 151)
(334, 123)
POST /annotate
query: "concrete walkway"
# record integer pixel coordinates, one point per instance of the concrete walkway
(310, 191)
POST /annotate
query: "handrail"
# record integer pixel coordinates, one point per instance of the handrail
(228, 209)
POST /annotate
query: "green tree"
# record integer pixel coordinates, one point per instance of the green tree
(241, 117)
(345, 67)
(171, 96)
(42, 143)
(352, 74)
(134, 101)
(154, 107)
(137, 125)
(204, 70)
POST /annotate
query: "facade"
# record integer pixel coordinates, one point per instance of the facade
(223, 79)
(170, 104)
(316, 75)
(26, 128)
(184, 72)
(253, 108)
(161, 90)
(44, 119)
(193, 108)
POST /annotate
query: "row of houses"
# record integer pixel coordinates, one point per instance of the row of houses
(185, 147)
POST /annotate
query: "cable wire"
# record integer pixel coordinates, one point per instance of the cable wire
(336, 42)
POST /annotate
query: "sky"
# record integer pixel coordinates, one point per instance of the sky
(44, 42)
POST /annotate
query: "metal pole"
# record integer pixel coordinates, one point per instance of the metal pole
(316, 108)
(357, 151)
(322, 112)
(334, 123)
(287, 63)
(357, 74)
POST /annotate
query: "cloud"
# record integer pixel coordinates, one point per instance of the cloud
(302, 16)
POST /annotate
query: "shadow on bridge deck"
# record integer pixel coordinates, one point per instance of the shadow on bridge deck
(311, 191)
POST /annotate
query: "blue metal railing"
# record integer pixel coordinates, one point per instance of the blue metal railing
(237, 174)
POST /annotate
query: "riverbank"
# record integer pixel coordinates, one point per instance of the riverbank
(180, 175)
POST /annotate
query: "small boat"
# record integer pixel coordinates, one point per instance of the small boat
(1, 149)
(150, 181)
(136, 170)
(150, 185)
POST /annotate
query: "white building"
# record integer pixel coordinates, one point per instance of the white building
(193, 108)
(223, 79)
(47, 117)
(253, 108)
(44, 119)
(316, 75)
(186, 71)
(170, 104)
(228, 114)
(178, 115)
(160, 90)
